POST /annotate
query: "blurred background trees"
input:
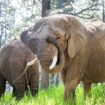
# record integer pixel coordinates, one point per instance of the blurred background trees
(17, 15)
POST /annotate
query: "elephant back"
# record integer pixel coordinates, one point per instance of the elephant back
(21, 48)
(4, 55)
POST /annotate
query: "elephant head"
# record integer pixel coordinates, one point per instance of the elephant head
(52, 38)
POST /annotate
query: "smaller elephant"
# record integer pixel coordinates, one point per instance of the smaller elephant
(17, 67)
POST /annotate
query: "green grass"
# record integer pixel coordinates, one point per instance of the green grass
(54, 96)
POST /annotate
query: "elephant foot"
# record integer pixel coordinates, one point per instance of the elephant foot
(70, 98)
(87, 89)
(18, 95)
(19, 90)
(34, 88)
(18, 98)
(14, 94)
(69, 94)
(2, 86)
(34, 92)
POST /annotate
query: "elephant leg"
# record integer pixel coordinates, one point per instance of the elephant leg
(27, 88)
(14, 94)
(63, 76)
(70, 87)
(87, 88)
(20, 89)
(34, 81)
(2, 85)
(72, 80)
(34, 86)
(74, 74)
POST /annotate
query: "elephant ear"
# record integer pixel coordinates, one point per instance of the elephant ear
(77, 40)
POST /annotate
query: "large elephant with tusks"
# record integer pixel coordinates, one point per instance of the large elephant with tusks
(64, 44)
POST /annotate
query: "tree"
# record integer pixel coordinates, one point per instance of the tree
(7, 20)
(27, 13)
(103, 10)
(85, 9)
(45, 8)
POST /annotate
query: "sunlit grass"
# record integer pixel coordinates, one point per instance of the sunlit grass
(54, 96)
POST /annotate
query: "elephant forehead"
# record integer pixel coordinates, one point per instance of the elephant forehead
(41, 32)
(44, 31)
(57, 30)
(50, 26)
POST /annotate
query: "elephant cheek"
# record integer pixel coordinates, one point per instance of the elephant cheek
(35, 46)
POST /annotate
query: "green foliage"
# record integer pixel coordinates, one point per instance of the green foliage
(26, 14)
(54, 96)
(86, 9)
(7, 13)
(17, 15)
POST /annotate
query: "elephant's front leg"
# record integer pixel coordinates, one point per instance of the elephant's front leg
(34, 81)
(14, 92)
(2, 85)
(70, 87)
(73, 76)
(19, 87)
(70, 83)
(87, 88)
(34, 85)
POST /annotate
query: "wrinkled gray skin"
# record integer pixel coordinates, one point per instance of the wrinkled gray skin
(80, 47)
(13, 59)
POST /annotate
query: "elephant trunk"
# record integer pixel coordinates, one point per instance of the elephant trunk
(60, 59)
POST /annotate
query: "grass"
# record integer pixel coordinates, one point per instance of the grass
(54, 96)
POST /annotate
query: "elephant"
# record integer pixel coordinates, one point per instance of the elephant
(64, 44)
(16, 68)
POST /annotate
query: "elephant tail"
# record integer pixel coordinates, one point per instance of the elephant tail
(25, 70)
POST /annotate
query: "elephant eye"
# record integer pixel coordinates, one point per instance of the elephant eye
(58, 37)
(32, 39)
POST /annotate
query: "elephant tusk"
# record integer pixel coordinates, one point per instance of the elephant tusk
(25, 70)
(31, 62)
(55, 58)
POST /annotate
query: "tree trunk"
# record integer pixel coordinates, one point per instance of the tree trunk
(103, 12)
(45, 8)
